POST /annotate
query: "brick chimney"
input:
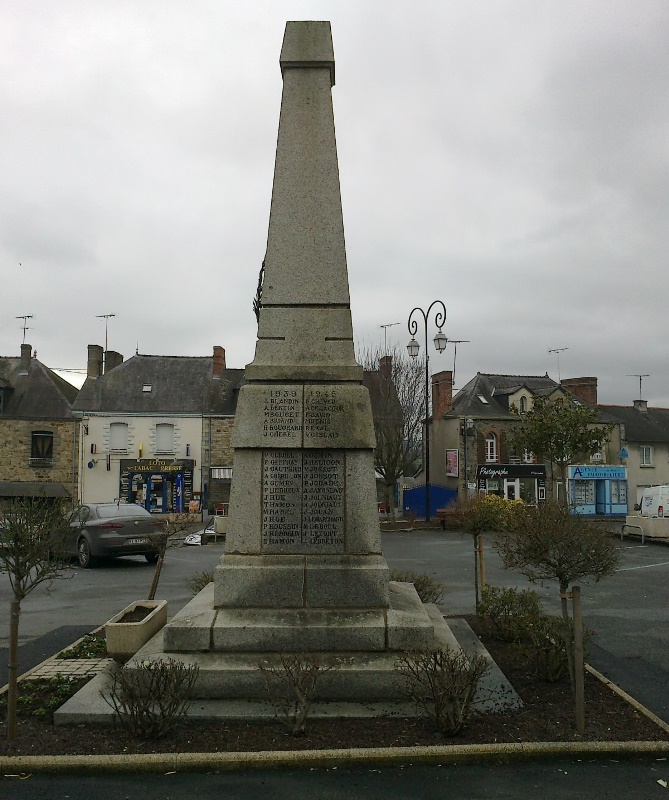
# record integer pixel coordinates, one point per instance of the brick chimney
(219, 361)
(95, 356)
(386, 367)
(584, 388)
(442, 393)
(26, 355)
(112, 359)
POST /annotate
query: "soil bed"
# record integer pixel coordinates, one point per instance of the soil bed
(138, 614)
(547, 716)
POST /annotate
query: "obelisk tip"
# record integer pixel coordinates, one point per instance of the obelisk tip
(308, 44)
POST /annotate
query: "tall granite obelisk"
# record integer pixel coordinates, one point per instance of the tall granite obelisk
(304, 528)
(303, 568)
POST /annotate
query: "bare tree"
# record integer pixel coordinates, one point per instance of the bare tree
(396, 385)
(33, 537)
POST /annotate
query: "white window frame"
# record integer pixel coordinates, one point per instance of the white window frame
(491, 448)
(646, 455)
(528, 457)
(114, 441)
(165, 446)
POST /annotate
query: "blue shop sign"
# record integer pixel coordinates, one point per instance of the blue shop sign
(585, 473)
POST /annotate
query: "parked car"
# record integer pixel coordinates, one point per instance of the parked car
(113, 529)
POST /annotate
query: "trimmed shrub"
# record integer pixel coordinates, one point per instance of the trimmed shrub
(508, 614)
(199, 580)
(150, 699)
(442, 684)
(429, 589)
(544, 650)
(291, 684)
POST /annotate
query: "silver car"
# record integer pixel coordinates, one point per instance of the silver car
(104, 530)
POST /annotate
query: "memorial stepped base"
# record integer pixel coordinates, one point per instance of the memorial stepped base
(494, 695)
(405, 625)
(357, 674)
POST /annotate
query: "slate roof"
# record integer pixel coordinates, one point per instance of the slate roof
(179, 384)
(651, 426)
(496, 390)
(39, 394)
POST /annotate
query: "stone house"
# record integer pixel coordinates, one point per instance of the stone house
(470, 448)
(38, 432)
(156, 430)
(642, 443)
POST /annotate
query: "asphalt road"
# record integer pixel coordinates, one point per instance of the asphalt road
(558, 780)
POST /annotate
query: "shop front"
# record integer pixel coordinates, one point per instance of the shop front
(162, 486)
(598, 490)
(525, 482)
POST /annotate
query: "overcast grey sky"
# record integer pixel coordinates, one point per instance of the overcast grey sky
(509, 157)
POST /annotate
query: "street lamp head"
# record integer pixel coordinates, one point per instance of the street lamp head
(440, 341)
(413, 348)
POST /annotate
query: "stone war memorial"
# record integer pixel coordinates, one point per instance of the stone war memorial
(302, 570)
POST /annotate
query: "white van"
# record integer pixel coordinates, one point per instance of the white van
(654, 501)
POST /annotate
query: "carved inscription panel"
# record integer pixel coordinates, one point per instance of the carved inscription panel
(303, 501)
(323, 411)
(282, 415)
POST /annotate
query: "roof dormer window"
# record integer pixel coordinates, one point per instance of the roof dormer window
(147, 387)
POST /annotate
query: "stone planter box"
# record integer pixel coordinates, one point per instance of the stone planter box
(124, 639)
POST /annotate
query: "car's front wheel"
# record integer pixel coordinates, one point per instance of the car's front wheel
(84, 556)
(152, 558)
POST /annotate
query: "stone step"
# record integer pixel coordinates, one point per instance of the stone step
(495, 695)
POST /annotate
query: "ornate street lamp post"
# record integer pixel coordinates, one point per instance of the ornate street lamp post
(440, 342)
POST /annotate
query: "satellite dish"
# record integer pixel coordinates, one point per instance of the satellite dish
(91, 464)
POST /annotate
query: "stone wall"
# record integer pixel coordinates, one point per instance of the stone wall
(217, 433)
(15, 445)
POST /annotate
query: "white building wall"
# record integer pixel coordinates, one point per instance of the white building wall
(98, 483)
(639, 477)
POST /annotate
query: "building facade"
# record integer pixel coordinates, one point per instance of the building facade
(642, 445)
(471, 432)
(156, 430)
(39, 435)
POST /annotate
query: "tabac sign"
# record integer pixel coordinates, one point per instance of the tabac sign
(156, 465)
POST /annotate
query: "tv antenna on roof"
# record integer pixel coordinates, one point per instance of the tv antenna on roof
(25, 318)
(557, 351)
(106, 318)
(385, 335)
(640, 377)
(455, 343)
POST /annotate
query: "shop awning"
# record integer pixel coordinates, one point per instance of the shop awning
(32, 489)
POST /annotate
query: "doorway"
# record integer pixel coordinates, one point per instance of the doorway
(512, 489)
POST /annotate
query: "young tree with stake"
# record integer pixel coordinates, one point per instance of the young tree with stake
(33, 536)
